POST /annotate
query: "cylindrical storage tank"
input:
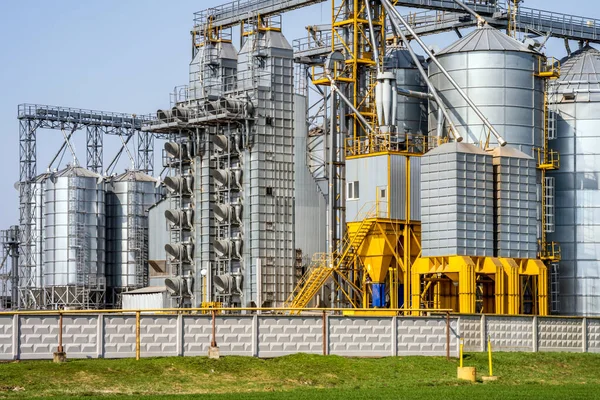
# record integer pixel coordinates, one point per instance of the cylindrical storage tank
(411, 115)
(516, 205)
(457, 201)
(128, 198)
(74, 230)
(498, 74)
(575, 102)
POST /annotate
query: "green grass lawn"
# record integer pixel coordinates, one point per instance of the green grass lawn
(543, 376)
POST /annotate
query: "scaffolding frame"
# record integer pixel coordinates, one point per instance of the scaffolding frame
(97, 124)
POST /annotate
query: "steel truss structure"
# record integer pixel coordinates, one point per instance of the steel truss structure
(96, 124)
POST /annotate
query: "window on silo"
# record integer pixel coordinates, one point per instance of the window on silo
(353, 190)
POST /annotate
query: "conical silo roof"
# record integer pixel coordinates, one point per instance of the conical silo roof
(580, 71)
(133, 176)
(75, 171)
(486, 38)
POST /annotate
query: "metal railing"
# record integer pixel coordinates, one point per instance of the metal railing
(81, 116)
(385, 142)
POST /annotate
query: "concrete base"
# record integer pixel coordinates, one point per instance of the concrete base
(467, 374)
(60, 357)
(489, 378)
(213, 352)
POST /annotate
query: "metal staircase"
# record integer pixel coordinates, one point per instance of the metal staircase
(323, 267)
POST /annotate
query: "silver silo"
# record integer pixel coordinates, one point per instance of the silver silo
(128, 197)
(74, 240)
(498, 74)
(411, 116)
(575, 99)
(457, 201)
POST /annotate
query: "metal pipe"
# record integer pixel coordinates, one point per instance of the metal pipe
(114, 160)
(349, 104)
(62, 147)
(415, 94)
(331, 173)
(440, 122)
(480, 20)
(392, 11)
(417, 62)
(374, 43)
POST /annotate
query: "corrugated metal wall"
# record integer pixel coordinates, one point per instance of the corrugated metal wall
(310, 205)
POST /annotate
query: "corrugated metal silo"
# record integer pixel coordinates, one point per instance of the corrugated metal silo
(411, 116)
(575, 98)
(497, 73)
(457, 201)
(128, 197)
(74, 265)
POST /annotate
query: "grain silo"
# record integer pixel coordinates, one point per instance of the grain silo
(74, 252)
(575, 101)
(498, 73)
(128, 197)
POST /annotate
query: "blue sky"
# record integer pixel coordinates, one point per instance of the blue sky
(117, 55)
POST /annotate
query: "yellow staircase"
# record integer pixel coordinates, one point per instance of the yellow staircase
(321, 269)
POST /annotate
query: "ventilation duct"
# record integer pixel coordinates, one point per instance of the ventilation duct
(221, 143)
(228, 212)
(179, 151)
(183, 252)
(228, 177)
(180, 184)
(181, 113)
(165, 116)
(182, 218)
(228, 284)
(226, 248)
(180, 286)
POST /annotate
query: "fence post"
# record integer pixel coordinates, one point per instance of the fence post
(584, 338)
(325, 333)
(394, 336)
(179, 333)
(255, 335)
(15, 336)
(447, 336)
(535, 333)
(137, 335)
(483, 332)
(100, 336)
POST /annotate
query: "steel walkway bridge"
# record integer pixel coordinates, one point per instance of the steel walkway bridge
(440, 16)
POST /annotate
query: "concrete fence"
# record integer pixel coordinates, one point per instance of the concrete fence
(106, 335)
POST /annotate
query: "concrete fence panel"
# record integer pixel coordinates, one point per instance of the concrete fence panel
(38, 336)
(80, 336)
(593, 335)
(8, 348)
(158, 335)
(560, 334)
(360, 336)
(119, 336)
(510, 333)
(279, 335)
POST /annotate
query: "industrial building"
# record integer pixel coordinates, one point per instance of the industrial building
(355, 168)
